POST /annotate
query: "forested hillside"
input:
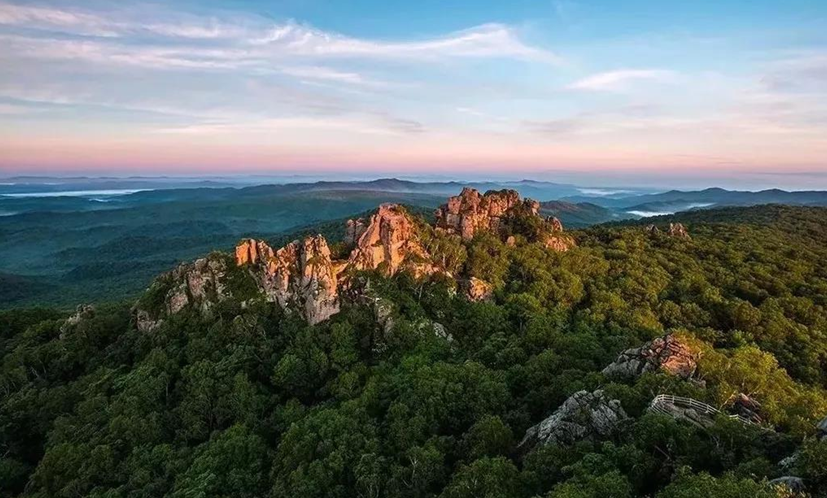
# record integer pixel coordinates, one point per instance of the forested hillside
(417, 387)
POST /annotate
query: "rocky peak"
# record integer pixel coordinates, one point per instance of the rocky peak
(388, 240)
(199, 284)
(300, 276)
(667, 353)
(251, 251)
(469, 212)
(584, 415)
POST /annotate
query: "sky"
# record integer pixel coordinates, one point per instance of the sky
(647, 92)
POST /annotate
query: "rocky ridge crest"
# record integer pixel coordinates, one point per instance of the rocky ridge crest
(305, 277)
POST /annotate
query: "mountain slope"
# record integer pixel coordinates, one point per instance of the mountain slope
(411, 389)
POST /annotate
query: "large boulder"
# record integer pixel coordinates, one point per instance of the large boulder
(584, 415)
(668, 354)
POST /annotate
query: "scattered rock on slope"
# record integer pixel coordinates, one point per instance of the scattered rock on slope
(667, 353)
(477, 289)
(678, 230)
(584, 415)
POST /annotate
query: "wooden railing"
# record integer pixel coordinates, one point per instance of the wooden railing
(658, 405)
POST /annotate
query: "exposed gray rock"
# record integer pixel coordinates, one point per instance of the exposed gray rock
(665, 353)
(584, 415)
(795, 484)
(83, 312)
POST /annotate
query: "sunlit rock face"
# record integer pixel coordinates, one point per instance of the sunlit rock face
(389, 241)
(668, 354)
(678, 230)
(470, 211)
(300, 276)
(303, 277)
(477, 289)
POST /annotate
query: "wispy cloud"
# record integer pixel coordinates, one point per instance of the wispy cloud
(328, 74)
(260, 37)
(620, 79)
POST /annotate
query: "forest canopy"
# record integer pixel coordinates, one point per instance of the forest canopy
(250, 400)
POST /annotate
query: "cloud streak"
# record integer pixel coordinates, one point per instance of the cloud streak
(261, 38)
(620, 80)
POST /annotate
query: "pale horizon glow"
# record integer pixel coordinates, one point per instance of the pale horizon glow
(703, 93)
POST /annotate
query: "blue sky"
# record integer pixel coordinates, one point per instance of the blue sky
(700, 91)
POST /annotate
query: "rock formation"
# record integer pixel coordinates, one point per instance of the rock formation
(556, 224)
(584, 415)
(302, 276)
(83, 312)
(477, 289)
(653, 229)
(665, 353)
(353, 230)
(470, 212)
(389, 240)
(678, 230)
(200, 284)
(299, 276)
(559, 243)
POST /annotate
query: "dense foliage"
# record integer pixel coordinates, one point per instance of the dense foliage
(253, 402)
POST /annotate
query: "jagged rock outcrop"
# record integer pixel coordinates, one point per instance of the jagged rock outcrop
(556, 224)
(302, 276)
(678, 230)
(389, 241)
(559, 243)
(653, 229)
(199, 284)
(82, 312)
(584, 415)
(299, 276)
(667, 353)
(353, 230)
(470, 212)
(477, 289)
